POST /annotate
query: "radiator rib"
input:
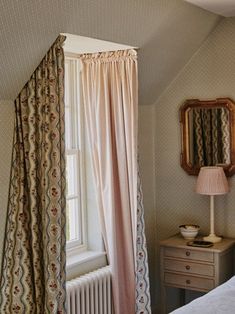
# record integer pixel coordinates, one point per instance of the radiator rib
(91, 293)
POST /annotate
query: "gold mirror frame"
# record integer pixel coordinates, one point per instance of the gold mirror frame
(195, 103)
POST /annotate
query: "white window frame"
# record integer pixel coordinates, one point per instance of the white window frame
(78, 139)
(92, 255)
(89, 255)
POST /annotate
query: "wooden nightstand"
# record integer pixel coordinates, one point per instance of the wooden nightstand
(194, 268)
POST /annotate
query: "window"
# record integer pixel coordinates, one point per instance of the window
(85, 250)
(84, 245)
(75, 170)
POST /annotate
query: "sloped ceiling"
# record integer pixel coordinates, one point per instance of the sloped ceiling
(225, 7)
(167, 32)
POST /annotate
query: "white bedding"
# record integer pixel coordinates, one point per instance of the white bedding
(220, 300)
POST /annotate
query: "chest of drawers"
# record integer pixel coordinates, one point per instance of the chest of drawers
(194, 268)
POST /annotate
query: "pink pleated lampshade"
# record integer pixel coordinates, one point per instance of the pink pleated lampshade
(212, 181)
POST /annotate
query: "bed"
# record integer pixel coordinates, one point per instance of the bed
(220, 300)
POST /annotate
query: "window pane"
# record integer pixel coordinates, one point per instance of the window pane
(72, 175)
(68, 128)
(73, 231)
(66, 85)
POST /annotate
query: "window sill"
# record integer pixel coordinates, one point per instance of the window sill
(84, 262)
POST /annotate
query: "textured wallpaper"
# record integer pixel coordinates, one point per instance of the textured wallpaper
(6, 135)
(168, 190)
(209, 74)
(158, 27)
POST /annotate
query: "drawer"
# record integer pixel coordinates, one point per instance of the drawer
(189, 282)
(189, 267)
(189, 254)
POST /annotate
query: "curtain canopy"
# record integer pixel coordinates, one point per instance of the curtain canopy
(33, 268)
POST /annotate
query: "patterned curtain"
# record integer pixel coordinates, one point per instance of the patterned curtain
(33, 268)
(211, 136)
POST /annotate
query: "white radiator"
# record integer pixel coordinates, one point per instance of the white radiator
(91, 293)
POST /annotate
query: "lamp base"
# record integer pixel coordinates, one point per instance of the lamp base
(212, 238)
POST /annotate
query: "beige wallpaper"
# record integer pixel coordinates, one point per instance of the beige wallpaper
(6, 134)
(168, 191)
(209, 74)
(158, 27)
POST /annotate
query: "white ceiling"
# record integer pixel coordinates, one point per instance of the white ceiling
(167, 32)
(80, 44)
(223, 7)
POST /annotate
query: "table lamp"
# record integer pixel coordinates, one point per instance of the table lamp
(212, 181)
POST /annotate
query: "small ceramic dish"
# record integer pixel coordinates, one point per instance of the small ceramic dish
(189, 231)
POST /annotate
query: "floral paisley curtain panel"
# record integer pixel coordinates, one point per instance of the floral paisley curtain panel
(33, 267)
(110, 92)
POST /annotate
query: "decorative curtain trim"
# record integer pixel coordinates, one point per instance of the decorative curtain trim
(33, 268)
(143, 302)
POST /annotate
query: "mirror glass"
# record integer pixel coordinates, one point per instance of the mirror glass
(208, 137)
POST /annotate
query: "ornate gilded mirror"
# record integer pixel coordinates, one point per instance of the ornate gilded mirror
(208, 135)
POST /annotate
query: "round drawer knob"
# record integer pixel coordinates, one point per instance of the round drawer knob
(187, 267)
(188, 282)
(187, 253)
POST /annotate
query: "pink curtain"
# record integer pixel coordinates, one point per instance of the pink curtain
(110, 91)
